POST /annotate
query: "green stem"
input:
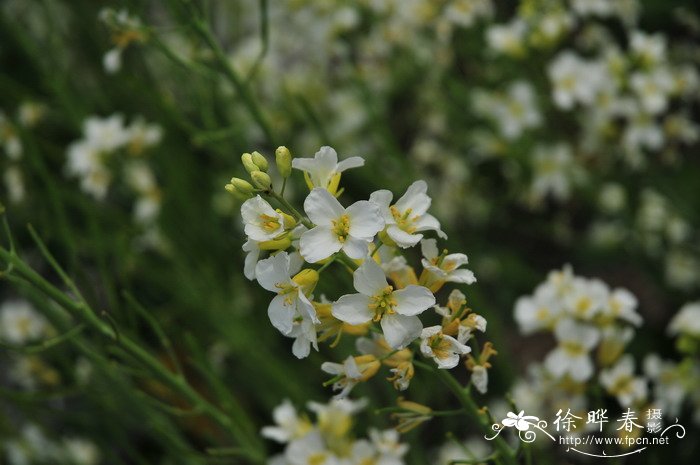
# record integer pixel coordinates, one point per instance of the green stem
(178, 384)
(294, 212)
(223, 61)
(506, 453)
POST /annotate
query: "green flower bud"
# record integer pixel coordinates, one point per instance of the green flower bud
(248, 163)
(261, 180)
(260, 161)
(242, 186)
(283, 159)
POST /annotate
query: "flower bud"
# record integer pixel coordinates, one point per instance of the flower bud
(289, 221)
(242, 186)
(248, 163)
(260, 161)
(307, 280)
(283, 159)
(261, 180)
(276, 244)
(368, 365)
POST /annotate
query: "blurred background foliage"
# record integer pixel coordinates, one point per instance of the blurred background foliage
(412, 119)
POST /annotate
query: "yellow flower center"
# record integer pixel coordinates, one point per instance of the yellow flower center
(269, 223)
(383, 303)
(319, 458)
(341, 227)
(404, 219)
(573, 348)
(439, 345)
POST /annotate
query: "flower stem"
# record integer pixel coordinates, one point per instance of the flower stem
(507, 456)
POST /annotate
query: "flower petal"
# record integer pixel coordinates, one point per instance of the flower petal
(415, 198)
(429, 248)
(281, 315)
(400, 330)
(402, 238)
(318, 243)
(356, 248)
(273, 272)
(365, 219)
(369, 278)
(322, 207)
(413, 300)
(462, 276)
(350, 162)
(353, 309)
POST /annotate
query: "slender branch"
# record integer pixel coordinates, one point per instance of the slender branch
(506, 453)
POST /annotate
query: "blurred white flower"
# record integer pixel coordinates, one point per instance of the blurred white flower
(21, 323)
(620, 382)
(571, 357)
(289, 425)
(686, 321)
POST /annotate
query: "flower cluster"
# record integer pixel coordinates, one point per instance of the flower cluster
(329, 440)
(108, 145)
(592, 325)
(675, 382)
(288, 254)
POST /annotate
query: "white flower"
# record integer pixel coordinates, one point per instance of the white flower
(86, 162)
(623, 305)
(112, 60)
(14, 183)
(290, 425)
(81, 451)
(445, 350)
(572, 355)
(142, 135)
(620, 382)
(480, 378)
(465, 12)
(445, 268)
(252, 250)
(388, 446)
(507, 38)
(408, 217)
(304, 334)
(555, 170)
(262, 222)
(274, 274)
(9, 140)
(324, 169)
(670, 384)
(653, 89)
(310, 450)
(20, 322)
(650, 48)
(106, 134)
(378, 301)
(348, 229)
(350, 372)
(686, 321)
(540, 311)
(576, 80)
